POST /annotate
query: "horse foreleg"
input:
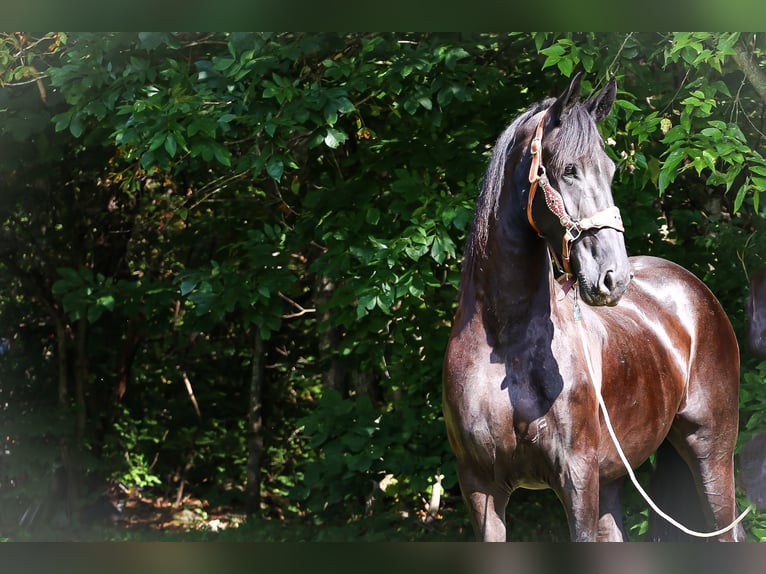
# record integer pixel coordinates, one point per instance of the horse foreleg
(486, 504)
(610, 527)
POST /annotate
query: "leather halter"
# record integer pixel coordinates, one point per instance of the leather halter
(609, 217)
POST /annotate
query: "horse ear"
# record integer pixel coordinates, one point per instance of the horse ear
(600, 105)
(566, 100)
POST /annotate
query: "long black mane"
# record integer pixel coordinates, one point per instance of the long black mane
(576, 138)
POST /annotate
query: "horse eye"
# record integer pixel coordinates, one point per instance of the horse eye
(570, 170)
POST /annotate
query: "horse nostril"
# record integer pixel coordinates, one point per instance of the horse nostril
(607, 283)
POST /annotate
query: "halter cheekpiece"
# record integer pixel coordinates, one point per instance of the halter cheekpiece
(609, 217)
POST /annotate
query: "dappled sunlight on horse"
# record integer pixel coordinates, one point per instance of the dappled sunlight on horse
(520, 399)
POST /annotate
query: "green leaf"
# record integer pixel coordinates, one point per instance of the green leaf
(674, 158)
(345, 105)
(62, 120)
(106, 301)
(366, 302)
(358, 463)
(372, 216)
(663, 181)
(425, 102)
(566, 65)
(709, 158)
(713, 133)
(157, 141)
(556, 49)
(334, 138)
(187, 286)
(76, 126)
(170, 145)
(222, 154)
(264, 291)
(625, 104)
(150, 40)
(94, 312)
(740, 197)
(275, 167)
(674, 134)
(222, 64)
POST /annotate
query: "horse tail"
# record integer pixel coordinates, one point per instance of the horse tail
(674, 491)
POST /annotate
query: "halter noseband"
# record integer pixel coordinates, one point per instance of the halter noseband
(609, 217)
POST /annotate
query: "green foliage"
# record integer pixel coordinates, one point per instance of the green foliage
(247, 283)
(364, 454)
(167, 195)
(83, 293)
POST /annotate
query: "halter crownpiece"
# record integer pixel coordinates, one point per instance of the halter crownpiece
(609, 217)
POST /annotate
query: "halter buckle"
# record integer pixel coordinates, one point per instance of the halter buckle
(573, 233)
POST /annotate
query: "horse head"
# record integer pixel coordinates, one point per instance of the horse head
(574, 209)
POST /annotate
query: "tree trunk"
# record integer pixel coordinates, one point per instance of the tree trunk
(747, 62)
(81, 375)
(63, 360)
(63, 488)
(365, 384)
(335, 374)
(63, 483)
(255, 426)
(328, 338)
(125, 363)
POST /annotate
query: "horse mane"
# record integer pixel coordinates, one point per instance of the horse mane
(575, 138)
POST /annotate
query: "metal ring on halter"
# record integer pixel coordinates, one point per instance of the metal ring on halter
(572, 237)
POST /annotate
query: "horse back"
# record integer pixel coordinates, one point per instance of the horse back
(669, 296)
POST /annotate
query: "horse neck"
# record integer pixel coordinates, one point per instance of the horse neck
(512, 281)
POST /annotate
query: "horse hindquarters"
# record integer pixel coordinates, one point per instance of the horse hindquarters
(705, 422)
(677, 493)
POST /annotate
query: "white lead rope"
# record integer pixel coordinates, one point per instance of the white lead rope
(596, 379)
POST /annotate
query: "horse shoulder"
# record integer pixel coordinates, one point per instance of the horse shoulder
(469, 377)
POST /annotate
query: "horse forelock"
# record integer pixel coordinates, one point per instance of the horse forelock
(576, 139)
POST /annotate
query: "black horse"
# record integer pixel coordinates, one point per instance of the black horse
(520, 371)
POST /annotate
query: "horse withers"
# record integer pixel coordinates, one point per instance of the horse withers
(519, 395)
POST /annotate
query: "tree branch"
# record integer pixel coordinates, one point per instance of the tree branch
(190, 391)
(301, 310)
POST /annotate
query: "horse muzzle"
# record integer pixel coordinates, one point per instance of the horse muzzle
(601, 266)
